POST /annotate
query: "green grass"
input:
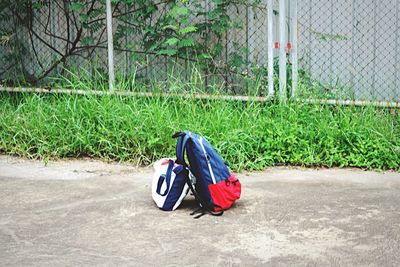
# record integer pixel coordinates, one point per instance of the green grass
(249, 136)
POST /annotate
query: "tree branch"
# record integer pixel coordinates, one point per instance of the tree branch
(37, 36)
(64, 57)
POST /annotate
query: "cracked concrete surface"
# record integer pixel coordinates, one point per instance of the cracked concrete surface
(92, 213)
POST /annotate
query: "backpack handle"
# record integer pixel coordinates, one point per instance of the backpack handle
(166, 178)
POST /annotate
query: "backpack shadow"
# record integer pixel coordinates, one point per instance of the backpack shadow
(189, 204)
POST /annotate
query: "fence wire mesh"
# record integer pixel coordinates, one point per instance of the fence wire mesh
(52, 39)
(348, 49)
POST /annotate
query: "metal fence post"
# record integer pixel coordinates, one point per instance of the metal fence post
(282, 49)
(294, 47)
(111, 75)
(270, 49)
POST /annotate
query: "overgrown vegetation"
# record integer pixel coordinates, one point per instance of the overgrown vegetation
(249, 135)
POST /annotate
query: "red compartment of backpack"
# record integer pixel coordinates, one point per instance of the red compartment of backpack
(226, 192)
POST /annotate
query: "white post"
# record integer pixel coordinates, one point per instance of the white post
(270, 49)
(111, 75)
(282, 49)
(294, 29)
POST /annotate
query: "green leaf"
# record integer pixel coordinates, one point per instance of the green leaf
(76, 6)
(84, 17)
(205, 56)
(87, 40)
(185, 21)
(187, 30)
(187, 42)
(170, 27)
(37, 5)
(171, 41)
(152, 46)
(179, 11)
(168, 52)
(217, 49)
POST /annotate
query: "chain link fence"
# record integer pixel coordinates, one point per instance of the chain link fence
(348, 49)
(241, 48)
(51, 39)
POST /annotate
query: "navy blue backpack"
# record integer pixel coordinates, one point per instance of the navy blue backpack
(214, 188)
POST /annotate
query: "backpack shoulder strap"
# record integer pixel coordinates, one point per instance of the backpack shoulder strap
(204, 205)
(183, 138)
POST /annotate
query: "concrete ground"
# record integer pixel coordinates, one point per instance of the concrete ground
(92, 213)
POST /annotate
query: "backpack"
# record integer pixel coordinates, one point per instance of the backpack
(169, 185)
(215, 188)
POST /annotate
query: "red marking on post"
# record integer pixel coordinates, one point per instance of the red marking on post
(289, 45)
(276, 45)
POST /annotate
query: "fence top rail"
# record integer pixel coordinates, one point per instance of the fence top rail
(135, 94)
(337, 102)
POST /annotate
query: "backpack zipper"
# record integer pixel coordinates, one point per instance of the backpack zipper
(208, 160)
